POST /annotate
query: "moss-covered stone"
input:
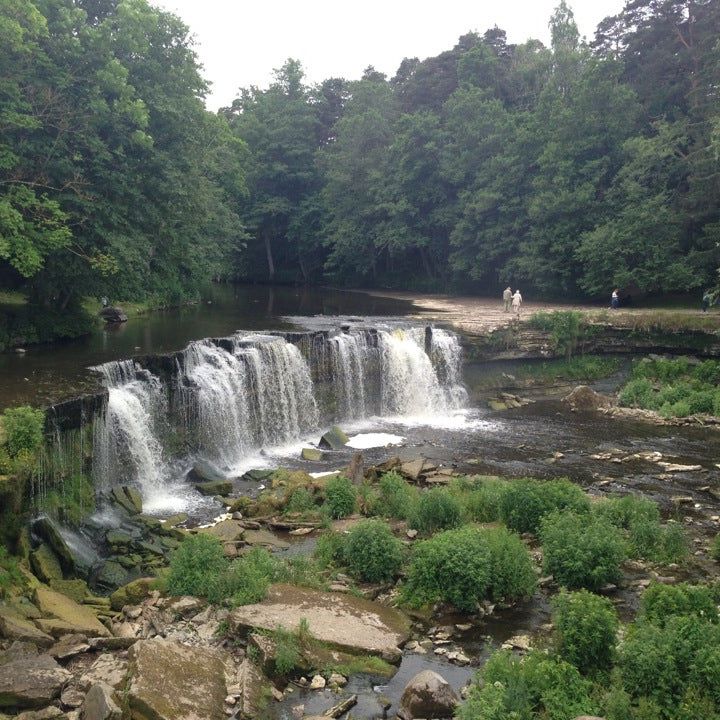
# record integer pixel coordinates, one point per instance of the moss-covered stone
(49, 531)
(79, 618)
(45, 564)
(127, 498)
(334, 439)
(112, 575)
(131, 594)
(76, 589)
(217, 487)
(117, 538)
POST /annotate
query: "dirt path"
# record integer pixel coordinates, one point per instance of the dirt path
(479, 315)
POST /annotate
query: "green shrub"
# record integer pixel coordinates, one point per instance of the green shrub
(246, 579)
(637, 393)
(340, 497)
(525, 502)
(536, 686)
(287, 651)
(372, 552)
(436, 510)
(566, 328)
(10, 575)
(660, 602)
(715, 548)
(581, 550)
(467, 565)
(586, 627)
(479, 497)
(397, 497)
(196, 566)
(330, 549)
(22, 428)
(652, 541)
(625, 511)
(301, 500)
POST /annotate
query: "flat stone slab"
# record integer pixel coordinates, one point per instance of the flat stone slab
(170, 681)
(14, 627)
(31, 682)
(353, 624)
(73, 618)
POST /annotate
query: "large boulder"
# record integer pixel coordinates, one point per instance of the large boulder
(203, 471)
(585, 399)
(70, 617)
(334, 439)
(128, 498)
(428, 695)
(49, 531)
(214, 487)
(113, 315)
(170, 681)
(348, 623)
(132, 594)
(33, 681)
(14, 627)
(45, 564)
(99, 704)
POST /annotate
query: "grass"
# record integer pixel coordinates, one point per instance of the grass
(11, 297)
(670, 321)
(93, 306)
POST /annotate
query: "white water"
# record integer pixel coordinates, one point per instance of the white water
(251, 399)
(365, 441)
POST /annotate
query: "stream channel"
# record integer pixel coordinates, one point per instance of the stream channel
(285, 370)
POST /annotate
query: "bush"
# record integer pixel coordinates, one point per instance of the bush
(715, 548)
(625, 511)
(340, 497)
(436, 509)
(10, 575)
(525, 502)
(301, 501)
(372, 552)
(22, 428)
(536, 686)
(566, 328)
(330, 549)
(196, 566)
(586, 627)
(246, 579)
(581, 550)
(660, 602)
(466, 565)
(479, 497)
(397, 497)
(637, 393)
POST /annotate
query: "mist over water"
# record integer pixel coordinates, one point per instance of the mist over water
(245, 400)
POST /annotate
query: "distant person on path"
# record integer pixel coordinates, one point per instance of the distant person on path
(507, 298)
(615, 299)
(707, 300)
(517, 302)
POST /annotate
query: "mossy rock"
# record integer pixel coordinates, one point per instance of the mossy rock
(76, 590)
(257, 475)
(216, 487)
(131, 594)
(117, 538)
(111, 576)
(242, 505)
(334, 439)
(313, 454)
(127, 498)
(49, 531)
(45, 564)
(291, 479)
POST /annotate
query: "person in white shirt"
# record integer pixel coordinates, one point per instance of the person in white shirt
(517, 302)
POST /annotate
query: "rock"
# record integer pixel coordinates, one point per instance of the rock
(675, 467)
(111, 643)
(585, 399)
(257, 475)
(313, 454)
(113, 315)
(186, 606)
(225, 530)
(334, 439)
(170, 681)
(204, 471)
(413, 469)
(458, 658)
(108, 669)
(14, 627)
(75, 589)
(252, 688)
(588, 717)
(45, 564)
(348, 623)
(49, 713)
(133, 593)
(72, 696)
(128, 498)
(518, 642)
(69, 646)
(100, 704)
(337, 680)
(79, 619)
(428, 695)
(317, 683)
(110, 576)
(412, 534)
(356, 473)
(49, 531)
(216, 487)
(31, 682)
(265, 538)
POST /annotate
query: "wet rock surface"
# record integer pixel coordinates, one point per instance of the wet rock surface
(32, 681)
(428, 695)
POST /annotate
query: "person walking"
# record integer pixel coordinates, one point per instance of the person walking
(706, 300)
(615, 299)
(507, 298)
(517, 303)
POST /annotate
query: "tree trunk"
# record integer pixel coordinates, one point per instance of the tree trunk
(268, 252)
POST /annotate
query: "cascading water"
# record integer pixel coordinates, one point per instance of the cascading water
(127, 446)
(233, 399)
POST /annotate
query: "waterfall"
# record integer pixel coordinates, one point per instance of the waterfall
(411, 383)
(230, 399)
(127, 445)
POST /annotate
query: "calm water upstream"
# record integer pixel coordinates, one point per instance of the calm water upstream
(46, 374)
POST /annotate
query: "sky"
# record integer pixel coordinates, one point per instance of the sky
(241, 42)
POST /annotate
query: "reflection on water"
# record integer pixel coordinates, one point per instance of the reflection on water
(47, 374)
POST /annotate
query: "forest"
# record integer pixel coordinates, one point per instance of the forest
(569, 169)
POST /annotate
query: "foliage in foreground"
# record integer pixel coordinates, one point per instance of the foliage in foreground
(21, 437)
(340, 497)
(581, 551)
(436, 509)
(585, 628)
(468, 565)
(372, 552)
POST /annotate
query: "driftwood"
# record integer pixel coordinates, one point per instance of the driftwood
(342, 707)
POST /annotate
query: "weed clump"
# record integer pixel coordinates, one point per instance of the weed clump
(437, 509)
(196, 566)
(340, 497)
(581, 551)
(372, 553)
(468, 565)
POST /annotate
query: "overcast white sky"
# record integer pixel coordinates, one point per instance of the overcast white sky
(240, 42)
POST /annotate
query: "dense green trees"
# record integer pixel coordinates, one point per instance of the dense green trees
(566, 169)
